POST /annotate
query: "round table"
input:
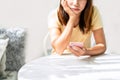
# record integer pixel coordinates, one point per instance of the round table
(70, 67)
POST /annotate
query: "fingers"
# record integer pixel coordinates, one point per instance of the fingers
(77, 51)
(67, 9)
(64, 4)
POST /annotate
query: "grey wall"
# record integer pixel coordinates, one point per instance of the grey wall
(32, 15)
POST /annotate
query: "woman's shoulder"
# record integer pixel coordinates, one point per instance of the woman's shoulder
(53, 13)
(96, 19)
(53, 20)
(95, 9)
(96, 12)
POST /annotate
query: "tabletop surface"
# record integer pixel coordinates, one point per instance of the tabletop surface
(70, 67)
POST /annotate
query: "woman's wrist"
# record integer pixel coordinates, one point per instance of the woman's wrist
(71, 22)
(87, 51)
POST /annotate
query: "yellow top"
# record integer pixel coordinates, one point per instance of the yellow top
(77, 35)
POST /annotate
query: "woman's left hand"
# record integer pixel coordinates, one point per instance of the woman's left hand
(77, 50)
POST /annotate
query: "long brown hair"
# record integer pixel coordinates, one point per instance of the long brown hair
(85, 17)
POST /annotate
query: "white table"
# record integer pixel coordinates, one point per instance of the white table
(70, 67)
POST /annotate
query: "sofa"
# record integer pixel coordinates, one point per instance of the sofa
(12, 57)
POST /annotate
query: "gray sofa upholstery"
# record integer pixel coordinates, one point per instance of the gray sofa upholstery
(15, 57)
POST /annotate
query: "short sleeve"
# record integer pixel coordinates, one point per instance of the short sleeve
(96, 19)
(53, 19)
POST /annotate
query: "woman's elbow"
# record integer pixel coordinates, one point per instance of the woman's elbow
(57, 48)
(103, 49)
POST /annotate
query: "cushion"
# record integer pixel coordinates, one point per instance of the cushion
(15, 57)
(3, 45)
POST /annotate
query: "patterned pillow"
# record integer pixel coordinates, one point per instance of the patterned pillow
(15, 57)
(3, 45)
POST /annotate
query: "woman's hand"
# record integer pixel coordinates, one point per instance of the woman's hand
(77, 50)
(68, 10)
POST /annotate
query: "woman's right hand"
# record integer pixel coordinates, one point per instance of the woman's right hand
(67, 9)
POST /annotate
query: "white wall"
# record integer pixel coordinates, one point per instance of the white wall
(110, 13)
(31, 15)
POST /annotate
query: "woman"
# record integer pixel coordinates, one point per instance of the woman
(75, 21)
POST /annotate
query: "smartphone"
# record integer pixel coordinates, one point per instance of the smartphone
(78, 44)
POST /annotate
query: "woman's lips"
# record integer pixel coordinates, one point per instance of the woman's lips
(75, 9)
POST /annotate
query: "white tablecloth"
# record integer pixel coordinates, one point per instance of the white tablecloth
(70, 67)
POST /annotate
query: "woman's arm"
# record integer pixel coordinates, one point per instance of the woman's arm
(99, 48)
(60, 40)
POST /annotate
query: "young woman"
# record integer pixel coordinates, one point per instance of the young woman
(75, 21)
